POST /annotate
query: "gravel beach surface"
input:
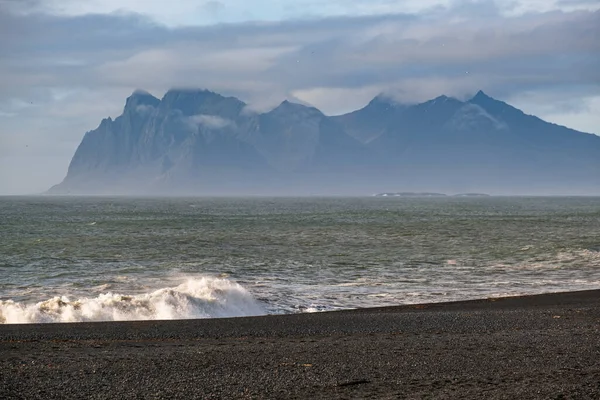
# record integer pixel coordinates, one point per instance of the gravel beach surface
(529, 347)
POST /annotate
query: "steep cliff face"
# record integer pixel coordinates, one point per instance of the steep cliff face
(199, 142)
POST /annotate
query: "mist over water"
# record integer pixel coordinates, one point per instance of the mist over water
(85, 259)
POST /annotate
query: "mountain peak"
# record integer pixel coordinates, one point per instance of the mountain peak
(287, 105)
(141, 97)
(192, 101)
(189, 94)
(384, 100)
(480, 96)
(192, 90)
(140, 92)
(443, 99)
(490, 104)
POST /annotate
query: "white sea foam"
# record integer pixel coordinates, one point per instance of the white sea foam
(196, 298)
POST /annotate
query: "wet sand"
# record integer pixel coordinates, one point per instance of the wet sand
(530, 347)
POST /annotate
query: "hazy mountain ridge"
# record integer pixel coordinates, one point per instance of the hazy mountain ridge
(199, 142)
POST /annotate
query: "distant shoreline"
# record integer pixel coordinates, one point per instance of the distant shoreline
(427, 194)
(538, 346)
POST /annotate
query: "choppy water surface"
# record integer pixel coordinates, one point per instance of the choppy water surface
(77, 259)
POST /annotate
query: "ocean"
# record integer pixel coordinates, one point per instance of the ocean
(68, 259)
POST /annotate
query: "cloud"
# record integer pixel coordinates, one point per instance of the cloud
(60, 74)
(209, 121)
(592, 4)
(335, 101)
(213, 7)
(190, 13)
(144, 109)
(178, 64)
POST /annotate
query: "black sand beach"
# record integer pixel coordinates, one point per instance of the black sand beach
(531, 347)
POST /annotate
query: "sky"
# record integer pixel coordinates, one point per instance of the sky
(67, 64)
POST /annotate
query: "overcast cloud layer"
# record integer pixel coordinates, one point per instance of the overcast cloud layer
(65, 65)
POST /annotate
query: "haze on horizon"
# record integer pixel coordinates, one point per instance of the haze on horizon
(66, 65)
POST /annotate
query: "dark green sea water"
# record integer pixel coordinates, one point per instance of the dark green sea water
(64, 259)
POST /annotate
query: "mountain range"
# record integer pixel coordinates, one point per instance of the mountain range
(197, 142)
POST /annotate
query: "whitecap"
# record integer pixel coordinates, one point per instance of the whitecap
(195, 298)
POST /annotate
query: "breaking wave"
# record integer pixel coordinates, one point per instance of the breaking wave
(196, 298)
